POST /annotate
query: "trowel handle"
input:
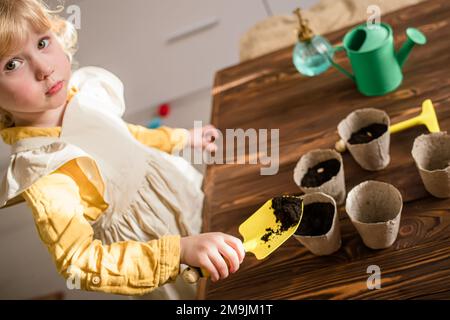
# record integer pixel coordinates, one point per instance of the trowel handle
(404, 125)
(193, 274)
(338, 66)
(341, 147)
(427, 117)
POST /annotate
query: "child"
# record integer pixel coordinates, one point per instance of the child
(118, 213)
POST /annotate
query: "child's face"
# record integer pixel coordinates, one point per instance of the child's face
(27, 76)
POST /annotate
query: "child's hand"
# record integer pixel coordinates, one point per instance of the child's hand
(204, 138)
(216, 252)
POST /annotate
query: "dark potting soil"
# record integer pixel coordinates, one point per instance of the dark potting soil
(438, 164)
(321, 173)
(268, 234)
(316, 220)
(367, 134)
(288, 211)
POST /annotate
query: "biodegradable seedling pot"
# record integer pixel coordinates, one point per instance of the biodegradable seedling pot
(373, 155)
(431, 152)
(375, 209)
(321, 170)
(319, 229)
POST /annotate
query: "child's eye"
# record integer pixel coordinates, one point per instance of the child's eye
(43, 43)
(12, 65)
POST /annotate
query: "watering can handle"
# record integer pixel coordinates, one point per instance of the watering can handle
(337, 66)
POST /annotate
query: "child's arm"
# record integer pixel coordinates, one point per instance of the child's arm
(171, 140)
(163, 138)
(131, 268)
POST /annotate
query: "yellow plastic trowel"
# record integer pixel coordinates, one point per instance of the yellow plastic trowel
(427, 117)
(262, 235)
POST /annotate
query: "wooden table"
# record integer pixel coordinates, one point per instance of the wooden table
(269, 93)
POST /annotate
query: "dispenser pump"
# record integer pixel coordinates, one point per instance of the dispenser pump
(311, 52)
(305, 33)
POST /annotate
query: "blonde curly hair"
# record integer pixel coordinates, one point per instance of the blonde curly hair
(16, 17)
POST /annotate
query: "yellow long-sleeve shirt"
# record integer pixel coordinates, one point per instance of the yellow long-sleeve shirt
(64, 202)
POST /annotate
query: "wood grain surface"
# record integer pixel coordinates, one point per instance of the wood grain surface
(268, 93)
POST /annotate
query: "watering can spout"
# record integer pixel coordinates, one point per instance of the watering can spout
(414, 36)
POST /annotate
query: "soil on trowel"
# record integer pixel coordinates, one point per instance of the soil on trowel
(288, 211)
(321, 173)
(316, 220)
(368, 134)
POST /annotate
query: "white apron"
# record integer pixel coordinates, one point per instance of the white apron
(149, 192)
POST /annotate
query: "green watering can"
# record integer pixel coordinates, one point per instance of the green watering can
(376, 66)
